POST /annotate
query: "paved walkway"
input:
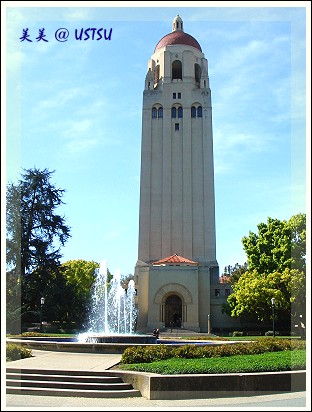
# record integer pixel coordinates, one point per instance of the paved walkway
(98, 362)
(67, 360)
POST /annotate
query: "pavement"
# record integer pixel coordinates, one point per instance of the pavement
(42, 359)
(99, 362)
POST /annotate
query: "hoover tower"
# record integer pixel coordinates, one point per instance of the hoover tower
(177, 240)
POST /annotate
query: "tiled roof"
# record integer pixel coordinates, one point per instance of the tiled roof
(177, 37)
(175, 259)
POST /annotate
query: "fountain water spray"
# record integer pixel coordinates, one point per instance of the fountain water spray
(113, 310)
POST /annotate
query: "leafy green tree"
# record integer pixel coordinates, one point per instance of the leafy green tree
(270, 249)
(275, 268)
(34, 233)
(80, 273)
(253, 292)
(59, 297)
(233, 273)
(297, 225)
(278, 245)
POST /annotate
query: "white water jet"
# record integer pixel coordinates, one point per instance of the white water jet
(113, 310)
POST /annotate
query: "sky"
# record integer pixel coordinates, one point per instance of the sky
(75, 107)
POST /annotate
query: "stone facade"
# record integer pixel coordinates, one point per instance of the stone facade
(177, 201)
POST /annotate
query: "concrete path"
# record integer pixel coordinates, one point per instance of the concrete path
(67, 360)
(285, 401)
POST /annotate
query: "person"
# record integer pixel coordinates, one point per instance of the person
(302, 328)
(156, 333)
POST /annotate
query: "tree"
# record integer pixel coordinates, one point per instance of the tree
(278, 245)
(33, 227)
(80, 273)
(297, 225)
(81, 276)
(276, 268)
(252, 294)
(59, 297)
(233, 273)
(34, 233)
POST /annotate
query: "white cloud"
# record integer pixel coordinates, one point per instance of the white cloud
(81, 145)
(14, 61)
(61, 98)
(76, 128)
(233, 148)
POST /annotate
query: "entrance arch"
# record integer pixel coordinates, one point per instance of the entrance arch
(173, 300)
(173, 311)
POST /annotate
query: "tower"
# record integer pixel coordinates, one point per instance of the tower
(177, 242)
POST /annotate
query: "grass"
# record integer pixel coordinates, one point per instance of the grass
(266, 362)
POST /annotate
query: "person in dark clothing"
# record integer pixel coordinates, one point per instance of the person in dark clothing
(156, 333)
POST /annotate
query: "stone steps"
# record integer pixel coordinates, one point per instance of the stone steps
(67, 383)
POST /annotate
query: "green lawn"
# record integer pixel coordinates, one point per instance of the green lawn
(265, 362)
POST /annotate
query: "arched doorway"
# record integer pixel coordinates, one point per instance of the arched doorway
(173, 311)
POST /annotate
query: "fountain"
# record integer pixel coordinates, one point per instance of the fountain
(113, 313)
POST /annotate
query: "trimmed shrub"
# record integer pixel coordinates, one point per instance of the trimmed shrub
(270, 333)
(191, 351)
(187, 352)
(146, 354)
(237, 333)
(15, 352)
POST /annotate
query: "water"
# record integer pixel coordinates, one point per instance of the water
(113, 310)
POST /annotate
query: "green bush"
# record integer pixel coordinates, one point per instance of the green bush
(190, 351)
(271, 333)
(39, 335)
(203, 337)
(186, 351)
(32, 334)
(15, 352)
(146, 354)
(237, 333)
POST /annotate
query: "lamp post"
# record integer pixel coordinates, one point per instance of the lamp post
(41, 305)
(209, 328)
(273, 307)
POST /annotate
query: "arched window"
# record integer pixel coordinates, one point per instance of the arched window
(177, 70)
(157, 73)
(160, 112)
(193, 111)
(197, 72)
(173, 113)
(180, 112)
(154, 113)
(199, 111)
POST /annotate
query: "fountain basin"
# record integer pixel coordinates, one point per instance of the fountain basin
(124, 338)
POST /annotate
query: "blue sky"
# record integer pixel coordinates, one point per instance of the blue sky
(75, 107)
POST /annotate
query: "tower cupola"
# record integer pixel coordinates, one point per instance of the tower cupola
(177, 24)
(177, 36)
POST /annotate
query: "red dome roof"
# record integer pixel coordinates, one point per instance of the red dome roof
(177, 37)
